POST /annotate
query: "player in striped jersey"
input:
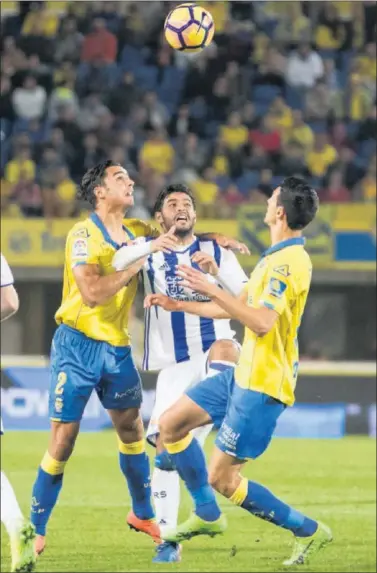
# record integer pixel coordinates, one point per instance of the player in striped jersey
(185, 348)
(21, 533)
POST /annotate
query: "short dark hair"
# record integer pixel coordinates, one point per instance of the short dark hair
(174, 188)
(300, 202)
(92, 179)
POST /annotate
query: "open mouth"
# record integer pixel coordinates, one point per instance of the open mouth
(181, 218)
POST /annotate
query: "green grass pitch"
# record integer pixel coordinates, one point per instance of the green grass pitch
(334, 481)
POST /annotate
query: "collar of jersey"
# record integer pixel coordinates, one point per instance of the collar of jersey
(97, 221)
(185, 249)
(283, 245)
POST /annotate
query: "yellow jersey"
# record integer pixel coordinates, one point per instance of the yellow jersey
(89, 243)
(280, 281)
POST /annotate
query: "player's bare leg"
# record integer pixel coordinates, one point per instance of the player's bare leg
(50, 477)
(134, 464)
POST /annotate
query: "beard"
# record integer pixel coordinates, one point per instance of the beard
(183, 233)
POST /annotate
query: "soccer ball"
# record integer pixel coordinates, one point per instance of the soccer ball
(189, 28)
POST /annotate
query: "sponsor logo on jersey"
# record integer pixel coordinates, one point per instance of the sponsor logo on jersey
(276, 288)
(80, 248)
(282, 270)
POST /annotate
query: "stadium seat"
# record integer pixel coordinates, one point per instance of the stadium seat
(146, 77)
(294, 97)
(131, 59)
(249, 180)
(223, 181)
(265, 93)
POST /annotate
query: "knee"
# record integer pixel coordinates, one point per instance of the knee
(227, 350)
(222, 482)
(61, 447)
(130, 427)
(167, 428)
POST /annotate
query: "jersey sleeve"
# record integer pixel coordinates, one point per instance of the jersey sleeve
(82, 248)
(231, 275)
(6, 274)
(280, 289)
(143, 229)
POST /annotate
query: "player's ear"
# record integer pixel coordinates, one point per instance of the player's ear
(99, 192)
(280, 212)
(158, 217)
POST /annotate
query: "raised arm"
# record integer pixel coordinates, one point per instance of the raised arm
(204, 309)
(259, 320)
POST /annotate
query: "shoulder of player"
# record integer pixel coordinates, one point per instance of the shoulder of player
(291, 262)
(140, 228)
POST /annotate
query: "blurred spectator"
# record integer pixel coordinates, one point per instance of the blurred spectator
(67, 123)
(330, 33)
(357, 99)
(293, 25)
(157, 114)
(121, 100)
(336, 191)
(206, 192)
(366, 190)
(181, 124)
(304, 67)
(267, 136)
(351, 172)
(368, 127)
(272, 68)
(99, 45)
(299, 132)
(258, 159)
(64, 150)
(21, 165)
(265, 182)
(321, 156)
(281, 114)
(63, 96)
(219, 158)
(27, 194)
(68, 42)
(65, 193)
(157, 153)
(317, 102)
(219, 101)
(248, 115)
(234, 134)
(190, 154)
(87, 155)
(42, 19)
(49, 165)
(6, 104)
(90, 113)
(292, 161)
(29, 101)
(153, 184)
(231, 199)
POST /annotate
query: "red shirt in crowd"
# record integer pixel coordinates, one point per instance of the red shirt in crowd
(100, 45)
(269, 141)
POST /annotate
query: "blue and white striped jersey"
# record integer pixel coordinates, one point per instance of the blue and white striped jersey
(173, 337)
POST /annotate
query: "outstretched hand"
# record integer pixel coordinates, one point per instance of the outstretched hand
(195, 280)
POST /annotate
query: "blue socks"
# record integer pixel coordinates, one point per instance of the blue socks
(260, 502)
(134, 464)
(45, 493)
(189, 460)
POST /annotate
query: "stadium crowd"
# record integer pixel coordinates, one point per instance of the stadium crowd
(286, 88)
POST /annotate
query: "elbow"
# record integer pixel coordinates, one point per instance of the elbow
(90, 299)
(262, 327)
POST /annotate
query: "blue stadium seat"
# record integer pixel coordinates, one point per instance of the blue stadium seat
(265, 93)
(249, 180)
(211, 129)
(294, 97)
(317, 126)
(198, 108)
(4, 153)
(131, 59)
(223, 181)
(146, 77)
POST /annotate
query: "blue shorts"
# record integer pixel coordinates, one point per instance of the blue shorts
(80, 365)
(246, 419)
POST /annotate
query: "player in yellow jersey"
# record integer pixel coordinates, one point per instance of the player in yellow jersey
(246, 403)
(91, 347)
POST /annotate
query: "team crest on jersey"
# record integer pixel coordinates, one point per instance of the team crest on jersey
(80, 248)
(282, 270)
(276, 288)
